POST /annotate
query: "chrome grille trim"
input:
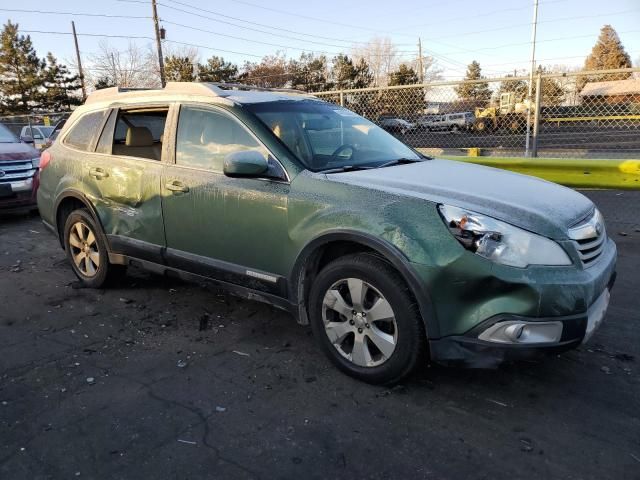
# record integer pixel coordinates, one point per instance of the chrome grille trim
(589, 237)
(16, 170)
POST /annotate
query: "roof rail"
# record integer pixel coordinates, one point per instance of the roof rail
(241, 86)
(207, 89)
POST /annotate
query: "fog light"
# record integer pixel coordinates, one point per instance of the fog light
(523, 332)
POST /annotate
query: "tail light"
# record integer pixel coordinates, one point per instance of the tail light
(45, 158)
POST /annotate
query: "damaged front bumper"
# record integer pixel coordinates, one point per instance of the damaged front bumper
(508, 336)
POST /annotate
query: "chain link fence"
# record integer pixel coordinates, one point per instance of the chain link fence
(38, 129)
(592, 114)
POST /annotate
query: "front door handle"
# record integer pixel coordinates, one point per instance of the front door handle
(177, 187)
(98, 173)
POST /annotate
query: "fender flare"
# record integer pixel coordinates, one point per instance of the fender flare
(81, 197)
(387, 251)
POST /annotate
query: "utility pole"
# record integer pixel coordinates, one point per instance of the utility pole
(420, 64)
(531, 68)
(158, 43)
(80, 72)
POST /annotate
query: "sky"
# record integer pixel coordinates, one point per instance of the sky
(496, 33)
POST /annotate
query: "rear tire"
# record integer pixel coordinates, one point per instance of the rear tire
(384, 339)
(87, 251)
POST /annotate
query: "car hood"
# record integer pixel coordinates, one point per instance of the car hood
(527, 202)
(17, 151)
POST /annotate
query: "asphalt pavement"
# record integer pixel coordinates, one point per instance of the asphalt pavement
(159, 378)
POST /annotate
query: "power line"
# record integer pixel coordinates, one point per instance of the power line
(258, 41)
(496, 47)
(262, 24)
(74, 14)
(206, 47)
(324, 44)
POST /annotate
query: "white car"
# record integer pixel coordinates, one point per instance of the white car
(36, 134)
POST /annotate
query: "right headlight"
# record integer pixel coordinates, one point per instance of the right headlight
(500, 242)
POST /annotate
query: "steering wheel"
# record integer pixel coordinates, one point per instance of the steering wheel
(342, 148)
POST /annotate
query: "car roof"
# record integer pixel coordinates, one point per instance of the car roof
(203, 91)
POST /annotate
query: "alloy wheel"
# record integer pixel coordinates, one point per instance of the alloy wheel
(84, 249)
(359, 322)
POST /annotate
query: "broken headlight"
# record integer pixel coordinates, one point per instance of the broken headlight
(500, 242)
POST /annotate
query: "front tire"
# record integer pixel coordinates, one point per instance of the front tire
(87, 251)
(366, 320)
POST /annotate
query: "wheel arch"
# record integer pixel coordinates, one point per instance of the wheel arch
(314, 256)
(67, 202)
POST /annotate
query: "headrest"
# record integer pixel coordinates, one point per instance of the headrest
(139, 137)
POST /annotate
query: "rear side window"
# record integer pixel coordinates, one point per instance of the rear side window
(82, 133)
(205, 137)
(138, 133)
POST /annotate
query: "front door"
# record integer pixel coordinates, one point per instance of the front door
(233, 229)
(123, 176)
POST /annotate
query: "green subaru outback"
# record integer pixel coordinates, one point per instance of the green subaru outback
(392, 257)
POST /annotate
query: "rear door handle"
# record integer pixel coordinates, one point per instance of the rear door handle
(98, 173)
(177, 187)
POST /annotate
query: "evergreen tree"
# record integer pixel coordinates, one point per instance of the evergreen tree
(345, 74)
(217, 70)
(404, 75)
(607, 53)
(477, 91)
(309, 73)
(59, 86)
(271, 72)
(407, 103)
(104, 82)
(20, 71)
(178, 69)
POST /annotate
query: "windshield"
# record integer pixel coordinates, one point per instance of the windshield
(6, 136)
(326, 136)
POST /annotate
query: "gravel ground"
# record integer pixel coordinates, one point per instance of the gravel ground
(163, 379)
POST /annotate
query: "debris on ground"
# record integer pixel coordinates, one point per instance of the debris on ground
(241, 353)
(91, 380)
(526, 445)
(182, 363)
(187, 442)
(221, 409)
(606, 370)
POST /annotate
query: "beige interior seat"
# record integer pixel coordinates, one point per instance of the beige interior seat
(139, 143)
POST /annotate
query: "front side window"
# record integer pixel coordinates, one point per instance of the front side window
(84, 130)
(323, 136)
(206, 136)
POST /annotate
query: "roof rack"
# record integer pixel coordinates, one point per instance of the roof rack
(244, 87)
(207, 89)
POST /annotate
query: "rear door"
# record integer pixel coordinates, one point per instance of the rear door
(232, 229)
(124, 178)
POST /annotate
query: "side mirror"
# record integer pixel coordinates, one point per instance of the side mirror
(26, 138)
(245, 163)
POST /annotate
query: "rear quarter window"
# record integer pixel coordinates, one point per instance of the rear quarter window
(84, 130)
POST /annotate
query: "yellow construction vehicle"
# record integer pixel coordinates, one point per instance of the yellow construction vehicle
(510, 115)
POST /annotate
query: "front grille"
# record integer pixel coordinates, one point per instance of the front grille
(589, 237)
(16, 170)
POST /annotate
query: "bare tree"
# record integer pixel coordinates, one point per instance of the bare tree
(131, 67)
(382, 57)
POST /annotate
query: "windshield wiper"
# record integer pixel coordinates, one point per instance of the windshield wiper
(399, 161)
(346, 168)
